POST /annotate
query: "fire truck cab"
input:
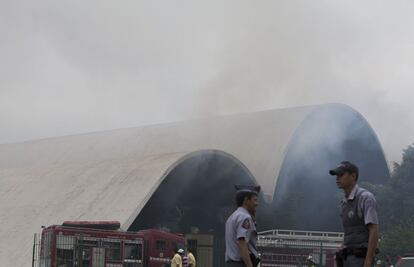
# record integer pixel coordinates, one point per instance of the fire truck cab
(103, 244)
(159, 247)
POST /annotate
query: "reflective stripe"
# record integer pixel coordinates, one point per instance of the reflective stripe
(159, 259)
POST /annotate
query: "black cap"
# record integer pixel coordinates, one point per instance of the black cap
(344, 166)
(255, 189)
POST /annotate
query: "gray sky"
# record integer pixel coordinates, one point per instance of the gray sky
(76, 66)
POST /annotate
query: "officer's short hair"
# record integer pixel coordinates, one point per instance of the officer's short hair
(240, 196)
(244, 191)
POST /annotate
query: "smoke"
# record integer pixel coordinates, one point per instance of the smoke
(199, 191)
(306, 195)
(198, 194)
(74, 66)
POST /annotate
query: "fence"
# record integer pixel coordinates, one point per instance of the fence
(289, 248)
(278, 248)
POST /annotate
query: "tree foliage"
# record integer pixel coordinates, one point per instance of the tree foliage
(398, 240)
(396, 207)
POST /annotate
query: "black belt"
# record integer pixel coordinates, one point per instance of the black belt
(235, 263)
(255, 261)
(360, 252)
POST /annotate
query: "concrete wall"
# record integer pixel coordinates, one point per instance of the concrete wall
(111, 175)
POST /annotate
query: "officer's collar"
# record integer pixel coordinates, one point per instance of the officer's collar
(352, 194)
(243, 210)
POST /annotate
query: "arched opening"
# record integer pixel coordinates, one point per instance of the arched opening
(306, 196)
(197, 195)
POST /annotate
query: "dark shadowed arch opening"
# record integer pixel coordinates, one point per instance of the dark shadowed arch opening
(197, 195)
(306, 196)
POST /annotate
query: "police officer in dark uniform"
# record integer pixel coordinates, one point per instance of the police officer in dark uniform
(359, 218)
(241, 234)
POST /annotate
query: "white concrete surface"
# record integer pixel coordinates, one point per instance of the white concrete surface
(111, 175)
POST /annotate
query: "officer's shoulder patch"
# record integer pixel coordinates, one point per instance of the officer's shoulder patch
(246, 223)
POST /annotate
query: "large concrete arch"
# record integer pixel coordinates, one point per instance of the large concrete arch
(196, 193)
(112, 175)
(306, 196)
(332, 133)
(192, 179)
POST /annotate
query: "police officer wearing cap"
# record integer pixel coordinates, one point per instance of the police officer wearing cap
(241, 235)
(359, 218)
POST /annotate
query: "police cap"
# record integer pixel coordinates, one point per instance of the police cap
(343, 167)
(255, 189)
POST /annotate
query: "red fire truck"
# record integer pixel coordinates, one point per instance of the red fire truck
(103, 244)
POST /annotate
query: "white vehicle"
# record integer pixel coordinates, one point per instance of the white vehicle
(405, 262)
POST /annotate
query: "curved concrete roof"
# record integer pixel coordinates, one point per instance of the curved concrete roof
(111, 175)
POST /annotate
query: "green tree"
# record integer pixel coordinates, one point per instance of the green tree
(396, 207)
(399, 240)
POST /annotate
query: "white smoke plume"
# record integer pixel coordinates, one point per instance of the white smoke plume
(73, 66)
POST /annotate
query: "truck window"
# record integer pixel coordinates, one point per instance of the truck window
(83, 250)
(133, 251)
(160, 245)
(65, 257)
(112, 251)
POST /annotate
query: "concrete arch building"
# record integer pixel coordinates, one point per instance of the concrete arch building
(121, 174)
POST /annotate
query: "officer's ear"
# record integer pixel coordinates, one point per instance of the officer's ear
(354, 175)
(248, 197)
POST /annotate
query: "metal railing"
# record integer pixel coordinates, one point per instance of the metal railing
(304, 235)
(298, 248)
